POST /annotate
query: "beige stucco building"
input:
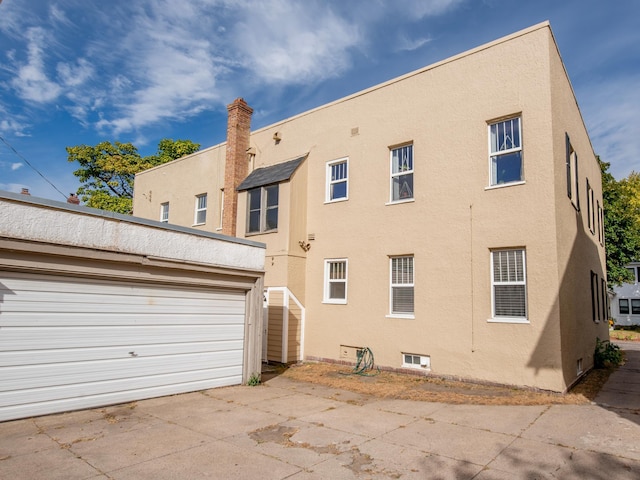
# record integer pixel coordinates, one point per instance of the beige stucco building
(449, 219)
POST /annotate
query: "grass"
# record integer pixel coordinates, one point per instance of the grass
(431, 389)
(630, 334)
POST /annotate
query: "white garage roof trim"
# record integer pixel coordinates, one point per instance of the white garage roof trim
(36, 219)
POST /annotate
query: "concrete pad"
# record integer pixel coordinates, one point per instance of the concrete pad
(510, 420)
(298, 443)
(22, 437)
(400, 461)
(69, 429)
(407, 407)
(215, 460)
(321, 391)
(525, 459)
(587, 427)
(245, 395)
(299, 405)
(361, 421)
(599, 466)
(121, 450)
(452, 441)
(49, 464)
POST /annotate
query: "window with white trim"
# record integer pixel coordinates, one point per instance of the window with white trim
(411, 360)
(337, 180)
(591, 214)
(201, 209)
(164, 212)
(600, 223)
(221, 200)
(262, 204)
(635, 306)
(595, 299)
(335, 280)
(505, 152)
(402, 286)
(402, 173)
(572, 174)
(623, 306)
(509, 285)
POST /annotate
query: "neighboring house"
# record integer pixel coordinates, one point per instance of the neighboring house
(625, 304)
(449, 219)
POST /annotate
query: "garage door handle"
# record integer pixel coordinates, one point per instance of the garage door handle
(133, 354)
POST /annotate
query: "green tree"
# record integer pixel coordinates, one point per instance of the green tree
(621, 223)
(107, 170)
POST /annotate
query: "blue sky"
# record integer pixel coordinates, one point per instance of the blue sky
(79, 72)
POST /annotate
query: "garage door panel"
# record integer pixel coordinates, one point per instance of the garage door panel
(36, 357)
(38, 376)
(68, 337)
(29, 319)
(68, 343)
(37, 395)
(12, 411)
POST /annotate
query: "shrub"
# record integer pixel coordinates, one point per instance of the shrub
(607, 354)
(254, 380)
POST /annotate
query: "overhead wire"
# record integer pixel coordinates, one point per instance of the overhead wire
(21, 157)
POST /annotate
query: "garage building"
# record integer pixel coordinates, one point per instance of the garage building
(98, 308)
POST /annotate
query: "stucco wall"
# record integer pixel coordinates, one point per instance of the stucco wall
(453, 223)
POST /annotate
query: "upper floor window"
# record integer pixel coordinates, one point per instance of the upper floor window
(591, 214)
(402, 173)
(164, 212)
(505, 151)
(335, 281)
(337, 180)
(201, 209)
(572, 174)
(262, 209)
(509, 285)
(600, 223)
(402, 286)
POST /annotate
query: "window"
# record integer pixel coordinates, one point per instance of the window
(263, 209)
(201, 209)
(335, 281)
(505, 148)
(509, 285)
(402, 285)
(164, 212)
(572, 174)
(410, 360)
(402, 173)
(635, 306)
(591, 214)
(632, 270)
(623, 306)
(337, 180)
(595, 301)
(603, 293)
(221, 200)
(600, 223)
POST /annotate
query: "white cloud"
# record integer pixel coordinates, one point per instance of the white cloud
(31, 82)
(409, 45)
(72, 75)
(294, 43)
(16, 166)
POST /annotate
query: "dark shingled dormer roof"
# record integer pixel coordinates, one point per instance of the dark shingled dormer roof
(270, 175)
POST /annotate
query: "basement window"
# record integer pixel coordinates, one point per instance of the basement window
(411, 360)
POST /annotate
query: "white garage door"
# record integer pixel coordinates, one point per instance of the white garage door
(69, 343)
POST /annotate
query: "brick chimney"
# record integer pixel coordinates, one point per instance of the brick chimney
(236, 165)
(73, 199)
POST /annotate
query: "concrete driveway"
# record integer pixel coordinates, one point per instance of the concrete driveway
(284, 429)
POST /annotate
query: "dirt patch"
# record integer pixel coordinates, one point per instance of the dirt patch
(429, 389)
